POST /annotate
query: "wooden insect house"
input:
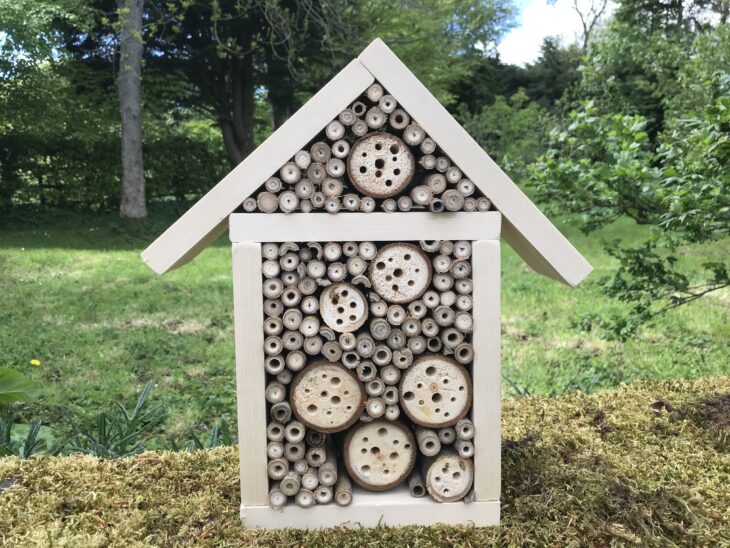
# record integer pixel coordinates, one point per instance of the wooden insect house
(366, 285)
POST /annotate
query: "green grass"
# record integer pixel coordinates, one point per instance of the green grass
(643, 465)
(75, 295)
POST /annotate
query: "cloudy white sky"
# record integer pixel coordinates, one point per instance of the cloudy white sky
(536, 20)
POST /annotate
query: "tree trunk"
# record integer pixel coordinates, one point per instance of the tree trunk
(129, 83)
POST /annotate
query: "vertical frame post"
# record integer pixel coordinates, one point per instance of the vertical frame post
(487, 370)
(248, 314)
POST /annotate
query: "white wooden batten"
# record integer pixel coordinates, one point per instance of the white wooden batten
(525, 228)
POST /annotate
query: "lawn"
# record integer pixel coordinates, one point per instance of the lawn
(75, 295)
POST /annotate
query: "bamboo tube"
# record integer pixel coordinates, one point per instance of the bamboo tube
(284, 376)
(290, 173)
(461, 269)
(427, 162)
(464, 302)
(273, 326)
(447, 435)
(444, 316)
(436, 183)
(392, 412)
(331, 351)
(327, 472)
(275, 431)
(465, 429)
(301, 467)
(398, 119)
(316, 172)
(443, 282)
(375, 118)
(379, 329)
(466, 187)
(375, 388)
(415, 484)
(347, 341)
(310, 481)
(290, 484)
(309, 304)
(428, 441)
(294, 432)
(293, 451)
(389, 375)
(358, 108)
(375, 407)
(374, 92)
(304, 498)
(453, 200)
(365, 345)
(273, 307)
(309, 326)
(336, 272)
(428, 146)
(273, 346)
(320, 152)
(464, 322)
(343, 489)
(382, 355)
(453, 175)
(430, 246)
(359, 128)
(397, 339)
(470, 204)
(281, 412)
(417, 309)
(274, 449)
(295, 361)
(267, 202)
(350, 360)
(270, 268)
(315, 457)
(332, 251)
(405, 203)
(452, 337)
(388, 104)
(367, 250)
(275, 392)
(483, 204)
(421, 195)
(417, 345)
(462, 249)
(446, 247)
(396, 314)
(431, 299)
(356, 266)
(273, 184)
(412, 326)
(249, 204)
(277, 499)
(367, 204)
(434, 344)
(302, 159)
(332, 205)
(304, 189)
(318, 199)
(270, 250)
(389, 205)
(447, 298)
(273, 288)
(429, 327)
(436, 206)
(316, 269)
(465, 448)
(335, 130)
(288, 201)
(442, 263)
(379, 309)
(323, 494)
(442, 164)
(347, 117)
(351, 202)
(292, 319)
(314, 438)
(289, 261)
(340, 149)
(366, 371)
(390, 395)
(335, 167)
(464, 286)
(414, 134)
(277, 468)
(403, 358)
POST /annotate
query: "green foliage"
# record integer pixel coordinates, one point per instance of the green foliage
(120, 433)
(15, 387)
(220, 435)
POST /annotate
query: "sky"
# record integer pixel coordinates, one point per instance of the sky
(536, 20)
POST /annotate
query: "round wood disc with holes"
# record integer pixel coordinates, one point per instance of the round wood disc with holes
(380, 165)
(400, 273)
(435, 391)
(327, 397)
(343, 307)
(449, 477)
(379, 455)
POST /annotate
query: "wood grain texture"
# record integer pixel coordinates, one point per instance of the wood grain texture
(320, 227)
(182, 241)
(250, 374)
(394, 508)
(486, 372)
(535, 238)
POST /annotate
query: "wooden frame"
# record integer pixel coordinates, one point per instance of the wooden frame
(395, 507)
(377, 227)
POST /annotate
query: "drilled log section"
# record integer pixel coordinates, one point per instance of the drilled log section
(448, 476)
(400, 273)
(343, 307)
(379, 455)
(327, 397)
(380, 165)
(435, 391)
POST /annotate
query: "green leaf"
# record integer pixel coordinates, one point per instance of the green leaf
(14, 386)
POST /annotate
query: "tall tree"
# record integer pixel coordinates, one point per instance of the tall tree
(129, 85)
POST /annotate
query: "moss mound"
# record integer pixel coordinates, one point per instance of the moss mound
(647, 464)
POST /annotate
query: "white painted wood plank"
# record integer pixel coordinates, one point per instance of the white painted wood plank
(323, 227)
(393, 508)
(486, 373)
(182, 241)
(534, 235)
(248, 313)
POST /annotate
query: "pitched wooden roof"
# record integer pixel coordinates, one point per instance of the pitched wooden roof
(525, 228)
